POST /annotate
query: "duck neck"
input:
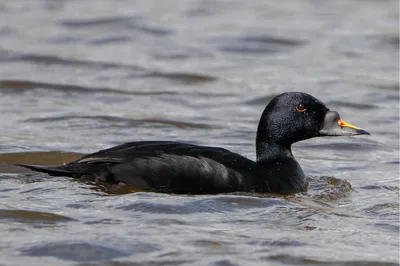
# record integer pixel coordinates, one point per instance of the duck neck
(271, 151)
(282, 171)
(272, 142)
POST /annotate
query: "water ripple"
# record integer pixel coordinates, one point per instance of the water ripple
(257, 44)
(214, 204)
(81, 252)
(359, 106)
(303, 260)
(25, 216)
(119, 22)
(116, 121)
(108, 21)
(21, 85)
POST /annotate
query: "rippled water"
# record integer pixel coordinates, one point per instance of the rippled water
(78, 76)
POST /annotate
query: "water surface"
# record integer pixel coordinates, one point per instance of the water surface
(79, 76)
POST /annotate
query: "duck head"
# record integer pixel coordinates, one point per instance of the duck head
(296, 116)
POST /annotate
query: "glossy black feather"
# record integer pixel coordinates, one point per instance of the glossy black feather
(166, 166)
(171, 167)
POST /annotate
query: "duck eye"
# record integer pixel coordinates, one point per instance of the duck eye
(301, 108)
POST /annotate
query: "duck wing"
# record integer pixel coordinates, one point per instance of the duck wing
(165, 167)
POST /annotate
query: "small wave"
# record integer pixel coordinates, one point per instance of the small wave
(358, 106)
(345, 146)
(81, 252)
(262, 100)
(285, 41)
(7, 160)
(390, 87)
(303, 260)
(387, 40)
(138, 71)
(25, 216)
(328, 188)
(386, 187)
(384, 210)
(227, 203)
(12, 56)
(125, 121)
(258, 44)
(110, 40)
(21, 85)
(186, 78)
(118, 22)
(105, 21)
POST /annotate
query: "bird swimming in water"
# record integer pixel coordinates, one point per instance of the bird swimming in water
(173, 167)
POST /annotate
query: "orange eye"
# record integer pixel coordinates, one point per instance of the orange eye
(301, 108)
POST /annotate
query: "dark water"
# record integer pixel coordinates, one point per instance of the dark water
(78, 76)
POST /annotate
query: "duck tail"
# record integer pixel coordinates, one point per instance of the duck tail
(51, 170)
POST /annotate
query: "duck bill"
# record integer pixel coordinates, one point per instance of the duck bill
(335, 126)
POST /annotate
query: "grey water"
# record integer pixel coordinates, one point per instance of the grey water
(79, 76)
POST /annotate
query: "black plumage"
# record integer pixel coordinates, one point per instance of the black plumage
(174, 167)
